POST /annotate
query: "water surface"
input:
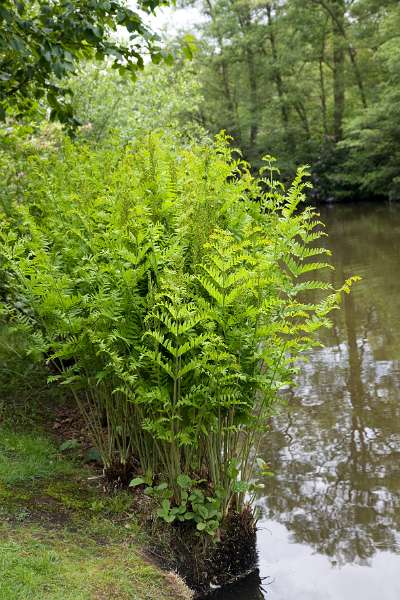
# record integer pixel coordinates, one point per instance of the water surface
(330, 527)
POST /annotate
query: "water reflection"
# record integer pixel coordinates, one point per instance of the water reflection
(331, 515)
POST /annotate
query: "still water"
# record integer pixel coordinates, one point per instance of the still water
(330, 527)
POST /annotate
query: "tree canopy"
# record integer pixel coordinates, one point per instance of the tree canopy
(299, 78)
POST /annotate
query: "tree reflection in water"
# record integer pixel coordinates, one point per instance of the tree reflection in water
(336, 448)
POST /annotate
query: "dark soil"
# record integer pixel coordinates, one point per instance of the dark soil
(119, 476)
(68, 424)
(48, 512)
(203, 563)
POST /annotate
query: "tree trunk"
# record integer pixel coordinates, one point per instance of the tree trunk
(234, 130)
(338, 8)
(254, 118)
(277, 76)
(324, 112)
(301, 111)
(323, 98)
(245, 23)
(336, 11)
(357, 75)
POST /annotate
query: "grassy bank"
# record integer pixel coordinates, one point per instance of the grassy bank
(62, 537)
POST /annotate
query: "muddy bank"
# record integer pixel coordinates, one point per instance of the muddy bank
(204, 564)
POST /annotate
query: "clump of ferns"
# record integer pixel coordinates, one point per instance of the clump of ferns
(175, 305)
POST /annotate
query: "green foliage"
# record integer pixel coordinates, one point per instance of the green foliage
(163, 98)
(42, 41)
(196, 505)
(19, 143)
(24, 392)
(371, 148)
(298, 78)
(169, 286)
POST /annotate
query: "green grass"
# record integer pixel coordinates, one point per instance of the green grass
(25, 457)
(35, 563)
(61, 537)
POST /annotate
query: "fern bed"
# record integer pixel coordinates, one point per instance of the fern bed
(172, 293)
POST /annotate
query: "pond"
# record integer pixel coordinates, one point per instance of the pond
(330, 526)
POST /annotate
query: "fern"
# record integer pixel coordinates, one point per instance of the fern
(175, 293)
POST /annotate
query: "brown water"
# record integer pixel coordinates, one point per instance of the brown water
(330, 527)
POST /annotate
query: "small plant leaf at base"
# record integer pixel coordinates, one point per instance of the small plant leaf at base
(69, 445)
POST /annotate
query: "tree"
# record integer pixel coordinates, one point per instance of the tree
(293, 78)
(372, 144)
(41, 42)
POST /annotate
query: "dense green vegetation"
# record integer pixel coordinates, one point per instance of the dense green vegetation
(152, 287)
(163, 98)
(310, 81)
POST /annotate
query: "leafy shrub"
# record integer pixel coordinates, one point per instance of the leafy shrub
(162, 98)
(167, 285)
